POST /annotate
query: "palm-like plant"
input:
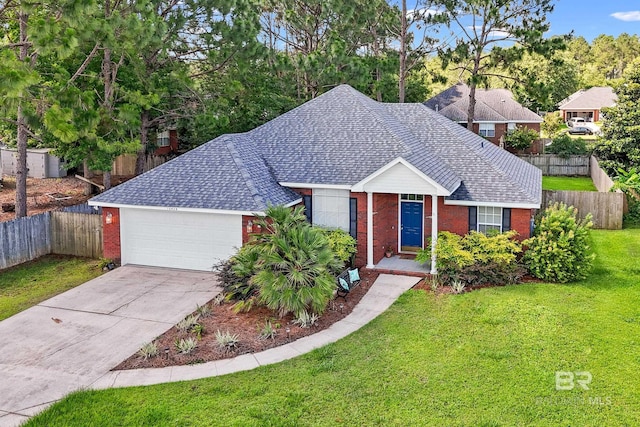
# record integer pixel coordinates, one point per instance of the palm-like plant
(294, 263)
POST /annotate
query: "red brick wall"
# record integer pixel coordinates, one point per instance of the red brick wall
(111, 234)
(173, 144)
(501, 129)
(385, 224)
(521, 222)
(245, 223)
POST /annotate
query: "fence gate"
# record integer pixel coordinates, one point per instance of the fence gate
(76, 234)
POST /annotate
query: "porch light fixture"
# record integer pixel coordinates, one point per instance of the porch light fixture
(249, 226)
(109, 218)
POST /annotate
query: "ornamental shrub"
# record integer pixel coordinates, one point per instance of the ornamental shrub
(559, 249)
(341, 244)
(565, 146)
(478, 258)
(520, 138)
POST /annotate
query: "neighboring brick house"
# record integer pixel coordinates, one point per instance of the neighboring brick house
(166, 142)
(496, 111)
(392, 175)
(587, 103)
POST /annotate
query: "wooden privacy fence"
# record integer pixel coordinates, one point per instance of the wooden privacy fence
(551, 164)
(76, 234)
(606, 208)
(600, 179)
(67, 233)
(125, 164)
(24, 239)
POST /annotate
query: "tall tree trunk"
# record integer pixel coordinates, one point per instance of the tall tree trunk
(471, 112)
(107, 77)
(21, 167)
(87, 173)
(144, 138)
(403, 53)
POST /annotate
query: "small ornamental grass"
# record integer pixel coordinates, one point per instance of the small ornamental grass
(306, 319)
(185, 345)
(186, 324)
(226, 340)
(148, 350)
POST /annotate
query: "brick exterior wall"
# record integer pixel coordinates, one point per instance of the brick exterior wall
(501, 129)
(111, 245)
(385, 224)
(245, 223)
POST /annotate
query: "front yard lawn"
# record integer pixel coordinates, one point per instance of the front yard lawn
(568, 183)
(484, 358)
(27, 284)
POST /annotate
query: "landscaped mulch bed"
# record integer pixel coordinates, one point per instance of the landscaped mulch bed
(247, 326)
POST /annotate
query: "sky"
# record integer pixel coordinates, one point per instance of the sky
(590, 18)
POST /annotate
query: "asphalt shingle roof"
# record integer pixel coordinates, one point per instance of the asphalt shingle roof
(339, 138)
(594, 98)
(492, 105)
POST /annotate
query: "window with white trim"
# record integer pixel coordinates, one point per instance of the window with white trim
(489, 218)
(163, 139)
(412, 197)
(487, 130)
(331, 208)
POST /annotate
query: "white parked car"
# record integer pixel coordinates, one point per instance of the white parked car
(576, 121)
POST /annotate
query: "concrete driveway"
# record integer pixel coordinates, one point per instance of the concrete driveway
(69, 341)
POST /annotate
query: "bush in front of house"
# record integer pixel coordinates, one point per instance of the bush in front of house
(477, 258)
(559, 249)
(290, 267)
(520, 138)
(341, 244)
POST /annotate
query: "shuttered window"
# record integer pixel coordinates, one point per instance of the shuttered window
(353, 217)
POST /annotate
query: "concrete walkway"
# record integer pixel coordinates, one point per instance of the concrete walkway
(69, 341)
(384, 291)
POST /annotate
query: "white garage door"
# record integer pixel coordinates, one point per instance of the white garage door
(188, 240)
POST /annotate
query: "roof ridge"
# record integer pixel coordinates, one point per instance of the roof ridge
(235, 155)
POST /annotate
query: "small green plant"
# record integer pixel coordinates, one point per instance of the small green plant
(185, 345)
(268, 330)
(559, 249)
(187, 323)
(434, 284)
(203, 311)
(219, 299)
(198, 330)
(148, 350)
(457, 286)
(226, 340)
(306, 319)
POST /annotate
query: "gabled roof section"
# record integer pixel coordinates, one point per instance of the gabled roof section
(224, 174)
(340, 138)
(492, 105)
(594, 98)
(489, 174)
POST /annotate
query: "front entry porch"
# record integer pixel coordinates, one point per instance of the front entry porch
(401, 264)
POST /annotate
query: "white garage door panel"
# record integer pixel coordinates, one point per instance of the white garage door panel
(189, 240)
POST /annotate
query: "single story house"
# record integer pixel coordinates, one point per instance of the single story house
(496, 111)
(588, 103)
(392, 175)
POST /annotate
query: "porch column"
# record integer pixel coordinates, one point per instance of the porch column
(370, 263)
(434, 232)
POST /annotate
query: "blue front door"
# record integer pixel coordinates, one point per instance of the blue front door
(410, 225)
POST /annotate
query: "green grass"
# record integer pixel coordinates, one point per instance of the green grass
(568, 183)
(28, 284)
(484, 358)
